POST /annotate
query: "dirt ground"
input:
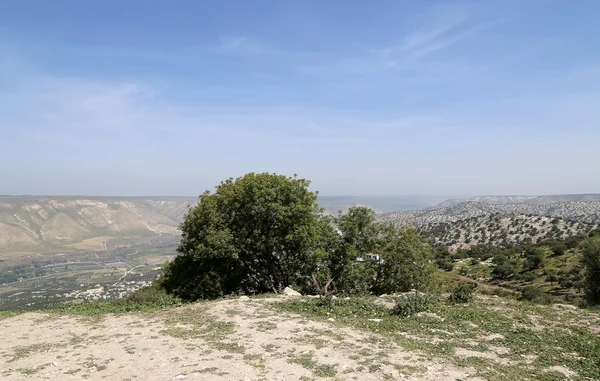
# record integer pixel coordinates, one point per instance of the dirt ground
(224, 340)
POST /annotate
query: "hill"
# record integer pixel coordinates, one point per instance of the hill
(36, 224)
(502, 230)
(546, 199)
(380, 204)
(584, 211)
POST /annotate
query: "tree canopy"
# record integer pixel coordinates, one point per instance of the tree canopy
(263, 232)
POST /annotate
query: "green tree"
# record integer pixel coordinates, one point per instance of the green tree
(258, 233)
(406, 261)
(591, 261)
(535, 257)
(358, 236)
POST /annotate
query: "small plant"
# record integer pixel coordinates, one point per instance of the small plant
(535, 295)
(463, 293)
(327, 301)
(412, 303)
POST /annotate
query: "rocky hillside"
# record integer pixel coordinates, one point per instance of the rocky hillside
(44, 223)
(547, 199)
(501, 230)
(480, 222)
(584, 211)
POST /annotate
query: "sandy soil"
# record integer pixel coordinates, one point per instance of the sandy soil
(224, 340)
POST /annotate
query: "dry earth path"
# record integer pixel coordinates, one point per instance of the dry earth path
(225, 340)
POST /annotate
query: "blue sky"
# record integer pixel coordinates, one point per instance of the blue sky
(363, 98)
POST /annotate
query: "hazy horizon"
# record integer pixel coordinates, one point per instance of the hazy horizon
(394, 98)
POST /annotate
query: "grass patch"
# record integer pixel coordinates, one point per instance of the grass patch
(9, 314)
(194, 324)
(26, 351)
(523, 330)
(308, 362)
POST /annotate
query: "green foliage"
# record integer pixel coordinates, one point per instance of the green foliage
(145, 299)
(534, 294)
(407, 262)
(504, 271)
(258, 233)
(263, 232)
(535, 257)
(591, 260)
(528, 276)
(413, 303)
(463, 293)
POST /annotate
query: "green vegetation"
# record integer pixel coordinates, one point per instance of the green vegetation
(463, 293)
(591, 260)
(412, 303)
(548, 271)
(263, 232)
(502, 339)
(143, 300)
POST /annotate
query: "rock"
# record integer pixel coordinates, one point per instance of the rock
(244, 297)
(180, 377)
(565, 306)
(430, 315)
(290, 292)
(53, 363)
(331, 319)
(375, 320)
(382, 295)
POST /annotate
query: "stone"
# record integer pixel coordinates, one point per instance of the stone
(180, 377)
(290, 292)
(244, 297)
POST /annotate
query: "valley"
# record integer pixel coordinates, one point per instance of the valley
(56, 249)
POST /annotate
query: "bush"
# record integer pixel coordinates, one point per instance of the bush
(535, 295)
(148, 298)
(445, 264)
(535, 258)
(591, 260)
(412, 303)
(152, 295)
(255, 234)
(503, 271)
(528, 277)
(463, 293)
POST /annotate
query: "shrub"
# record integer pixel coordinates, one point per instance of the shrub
(152, 295)
(559, 248)
(412, 303)
(528, 277)
(591, 260)
(535, 258)
(463, 293)
(503, 271)
(535, 295)
(445, 264)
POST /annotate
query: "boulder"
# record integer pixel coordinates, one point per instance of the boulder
(290, 292)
